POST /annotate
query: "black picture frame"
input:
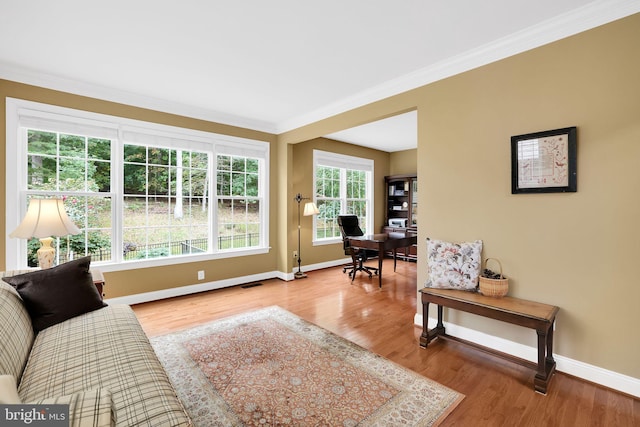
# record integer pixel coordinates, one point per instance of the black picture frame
(544, 162)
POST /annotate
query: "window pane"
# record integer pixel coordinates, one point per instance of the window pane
(326, 220)
(197, 183)
(252, 184)
(252, 165)
(237, 184)
(238, 164)
(98, 212)
(39, 142)
(359, 208)
(199, 160)
(41, 173)
(99, 176)
(72, 146)
(356, 184)
(157, 156)
(158, 180)
(135, 179)
(239, 223)
(93, 216)
(134, 239)
(135, 153)
(72, 175)
(224, 163)
(224, 183)
(135, 212)
(99, 149)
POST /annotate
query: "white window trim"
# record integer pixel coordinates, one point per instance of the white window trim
(343, 161)
(115, 127)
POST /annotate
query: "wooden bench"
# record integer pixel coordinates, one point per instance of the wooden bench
(529, 314)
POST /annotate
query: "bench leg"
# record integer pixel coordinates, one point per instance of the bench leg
(546, 363)
(429, 335)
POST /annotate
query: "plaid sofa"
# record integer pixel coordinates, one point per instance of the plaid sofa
(100, 363)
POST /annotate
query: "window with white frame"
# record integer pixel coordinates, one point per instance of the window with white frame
(343, 185)
(138, 191)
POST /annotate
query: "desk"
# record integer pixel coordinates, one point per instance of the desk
(529, 314)
(383, 242)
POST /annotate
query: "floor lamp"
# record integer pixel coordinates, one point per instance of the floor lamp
(310, 208)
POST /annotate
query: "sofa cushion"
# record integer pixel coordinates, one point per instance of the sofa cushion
(16, 332)
(106, 349)
(59, 293)
(8, 390)
(93, 408)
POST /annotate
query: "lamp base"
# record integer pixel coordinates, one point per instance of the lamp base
(46, 253)
(299, 275)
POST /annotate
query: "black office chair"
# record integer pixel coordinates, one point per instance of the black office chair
(349, 226)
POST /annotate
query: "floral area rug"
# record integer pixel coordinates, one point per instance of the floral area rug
(271, 368)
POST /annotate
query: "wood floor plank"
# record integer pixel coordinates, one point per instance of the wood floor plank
(498, 392)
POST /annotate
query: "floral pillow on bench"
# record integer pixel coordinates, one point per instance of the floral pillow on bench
(453, 265)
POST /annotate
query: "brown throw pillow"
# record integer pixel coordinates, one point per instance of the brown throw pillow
(59, 293)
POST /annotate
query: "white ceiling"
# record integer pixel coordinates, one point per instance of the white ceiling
(396, 133)
(273, 65)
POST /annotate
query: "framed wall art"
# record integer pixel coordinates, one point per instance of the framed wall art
(544, 162)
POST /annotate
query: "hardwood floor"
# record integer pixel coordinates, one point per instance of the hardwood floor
(498, 392)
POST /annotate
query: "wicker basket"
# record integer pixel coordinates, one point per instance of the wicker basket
(493, 287)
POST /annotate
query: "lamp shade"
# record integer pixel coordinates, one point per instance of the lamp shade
(310, 209)
(45, 218)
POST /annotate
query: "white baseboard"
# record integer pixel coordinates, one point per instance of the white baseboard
(595, 374)
(318, 266)
(218, 284)
(191, 289)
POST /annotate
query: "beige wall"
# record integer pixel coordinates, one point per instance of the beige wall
(157, 278)
(579, 250)
(403, 162)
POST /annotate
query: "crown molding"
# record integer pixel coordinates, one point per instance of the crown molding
(576, 21)
(49, 81)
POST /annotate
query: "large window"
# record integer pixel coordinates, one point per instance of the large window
(238, 202)
(138, 191)
(343, 185)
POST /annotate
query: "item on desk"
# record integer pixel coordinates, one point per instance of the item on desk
(398, 222)
(493, 284)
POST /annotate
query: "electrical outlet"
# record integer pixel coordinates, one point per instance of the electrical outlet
(295, 254)
(201, 275)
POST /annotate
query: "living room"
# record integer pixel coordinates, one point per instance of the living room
(573, 250)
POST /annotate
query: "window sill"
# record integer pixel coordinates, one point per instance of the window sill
(186, 259)
(327, 241)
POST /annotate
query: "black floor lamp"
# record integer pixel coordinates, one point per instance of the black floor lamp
(310, 208)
